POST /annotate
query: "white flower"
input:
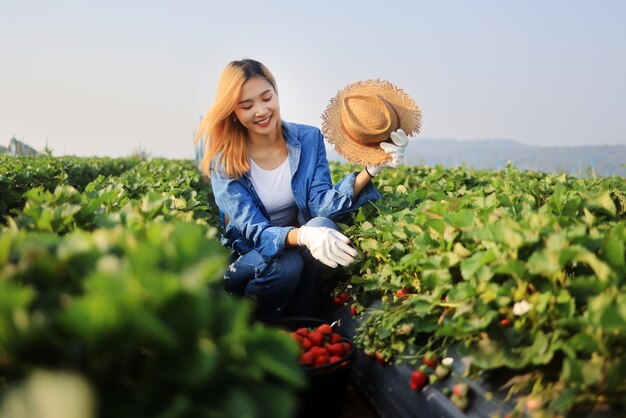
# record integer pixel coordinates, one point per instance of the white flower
(520, 308)
(447, 361)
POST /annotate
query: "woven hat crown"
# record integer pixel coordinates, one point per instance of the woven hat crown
(364, 114)
(368, 119)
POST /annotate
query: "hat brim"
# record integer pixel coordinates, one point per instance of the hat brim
(409, 115)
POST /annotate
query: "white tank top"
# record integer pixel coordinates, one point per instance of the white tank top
(274, 190)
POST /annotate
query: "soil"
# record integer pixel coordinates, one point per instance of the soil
(356, 406)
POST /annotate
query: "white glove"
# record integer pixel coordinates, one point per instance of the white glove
(395, 150)
(327, 245)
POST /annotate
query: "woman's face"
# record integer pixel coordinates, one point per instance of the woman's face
(258, 110)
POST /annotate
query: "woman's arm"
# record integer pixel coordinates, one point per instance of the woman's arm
(360, 182)
(292, 238)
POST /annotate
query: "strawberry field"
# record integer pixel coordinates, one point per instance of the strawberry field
(110, 284)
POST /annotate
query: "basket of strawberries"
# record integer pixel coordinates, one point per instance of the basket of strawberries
(325, 356)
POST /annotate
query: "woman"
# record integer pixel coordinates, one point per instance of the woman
(272, 183)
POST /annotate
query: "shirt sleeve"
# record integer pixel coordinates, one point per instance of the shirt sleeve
(332, 201)
(243, 213)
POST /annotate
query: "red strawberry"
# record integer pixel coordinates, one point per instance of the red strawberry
(335, 338)
(296, 337)
(505, 322)
(334, 359)
(418, 379)
(347, 347)
(338, 302)
(380, 358)
(318, 351)
(306, 343)
(321, 360)
(344, 296)
(336, 349)
(316, 337)
(430, 359)
(307, 358)
(353, 310)
(400, 293)
(302, 331)
(325, 329)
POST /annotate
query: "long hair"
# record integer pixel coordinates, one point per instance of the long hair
(219, 135)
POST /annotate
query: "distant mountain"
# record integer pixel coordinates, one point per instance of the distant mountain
(603, 160)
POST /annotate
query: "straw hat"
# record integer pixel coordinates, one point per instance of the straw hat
(363, 115)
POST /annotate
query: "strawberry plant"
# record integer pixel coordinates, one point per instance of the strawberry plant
(516, 271)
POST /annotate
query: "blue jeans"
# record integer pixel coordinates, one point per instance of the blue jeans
(286, 286)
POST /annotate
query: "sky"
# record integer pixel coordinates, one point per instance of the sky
(107, 78)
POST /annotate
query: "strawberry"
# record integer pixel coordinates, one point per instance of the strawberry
(336, 349)
(400, 293)
(460, 389)
(318, 351)
(307, 358)
(442, 371)
(418, 379)
(325, 329)
(353, 310)
(347, 347)
(460, 403)
(505, 322)
(380, 358)
(321, 360)
(296, 337)
(302, 331)
(430, 359)
(306, 343)
(334, 359)
(316, 337)
(335, 338)
(337, 301)
(344, 296)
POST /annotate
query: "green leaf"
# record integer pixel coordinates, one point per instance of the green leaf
(276, 354)
(471, 266)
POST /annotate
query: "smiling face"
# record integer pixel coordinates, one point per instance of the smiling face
(258, 110)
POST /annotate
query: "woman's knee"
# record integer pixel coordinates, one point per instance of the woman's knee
(280, 276)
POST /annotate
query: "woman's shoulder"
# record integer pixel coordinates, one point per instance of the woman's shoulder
(301, 131)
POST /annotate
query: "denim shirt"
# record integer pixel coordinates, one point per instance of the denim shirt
(249, 226)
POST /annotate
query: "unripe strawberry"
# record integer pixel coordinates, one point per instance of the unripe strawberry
(430, 359)
(441, 371)
(460, 389)
(460, 403)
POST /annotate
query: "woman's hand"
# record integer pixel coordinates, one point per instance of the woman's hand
(395, 150)
(327, 245)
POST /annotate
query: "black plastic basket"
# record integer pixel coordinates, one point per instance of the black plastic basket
(327, 383)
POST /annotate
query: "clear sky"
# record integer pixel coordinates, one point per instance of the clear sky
(100, 78)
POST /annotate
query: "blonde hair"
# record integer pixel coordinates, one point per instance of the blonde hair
(219, 134)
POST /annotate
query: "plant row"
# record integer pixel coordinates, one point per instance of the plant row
(519, 274)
